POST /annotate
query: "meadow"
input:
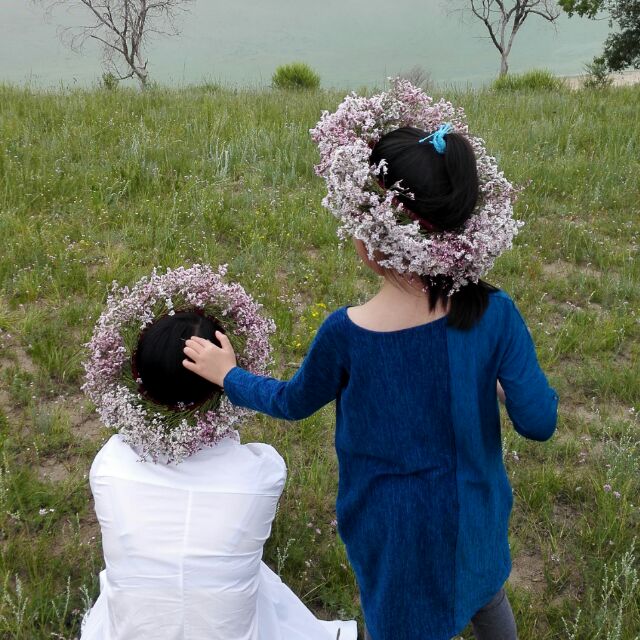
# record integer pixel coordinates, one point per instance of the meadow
(100, 185)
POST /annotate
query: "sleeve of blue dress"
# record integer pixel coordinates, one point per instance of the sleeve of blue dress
(531, 403)
(316, 383)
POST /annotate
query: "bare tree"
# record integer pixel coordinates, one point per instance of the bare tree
(417, 76)
(503, 20)
(123, 27)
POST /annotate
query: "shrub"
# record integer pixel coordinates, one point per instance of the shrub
(597, 75)
(109, 81)
(296, 75)
(535, 80)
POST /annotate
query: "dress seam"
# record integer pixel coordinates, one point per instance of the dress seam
(455, 460)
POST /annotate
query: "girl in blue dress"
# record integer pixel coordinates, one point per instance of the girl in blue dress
(423, 501)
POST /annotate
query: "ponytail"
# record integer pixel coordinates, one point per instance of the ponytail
(445, 186)
(462, 171)
(446, 189)
(466, 306)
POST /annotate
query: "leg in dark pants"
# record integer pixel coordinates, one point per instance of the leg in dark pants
(494, 621)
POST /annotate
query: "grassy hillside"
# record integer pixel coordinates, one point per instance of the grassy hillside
(98, 185)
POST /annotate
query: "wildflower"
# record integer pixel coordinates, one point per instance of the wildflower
(616, 495)
(607, 488)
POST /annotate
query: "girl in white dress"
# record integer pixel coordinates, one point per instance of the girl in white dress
(183, 543)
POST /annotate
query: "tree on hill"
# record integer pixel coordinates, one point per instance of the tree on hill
(123, 27)
(504, 20)
(622, 48)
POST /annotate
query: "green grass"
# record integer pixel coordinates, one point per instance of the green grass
(103, 185)
(535, 80)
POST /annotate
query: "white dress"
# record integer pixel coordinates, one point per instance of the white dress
(183, 549)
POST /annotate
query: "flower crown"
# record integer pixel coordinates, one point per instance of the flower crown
(164, 433)
(372, 214)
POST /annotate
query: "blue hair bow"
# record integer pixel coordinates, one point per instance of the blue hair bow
(438, 140)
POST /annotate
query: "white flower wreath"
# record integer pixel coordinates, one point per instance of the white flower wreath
(164, 433)
(366, 211)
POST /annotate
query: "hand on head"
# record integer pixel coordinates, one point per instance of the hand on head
(209, 361)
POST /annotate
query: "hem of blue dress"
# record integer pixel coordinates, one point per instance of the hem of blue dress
(463, 619)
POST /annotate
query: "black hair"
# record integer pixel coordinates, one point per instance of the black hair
(157, 361)
(446, 190)
(445, 186)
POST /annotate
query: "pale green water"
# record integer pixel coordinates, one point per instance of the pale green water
(349, 42)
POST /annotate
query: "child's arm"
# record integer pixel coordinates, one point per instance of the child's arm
(531, 403)
(316, 383)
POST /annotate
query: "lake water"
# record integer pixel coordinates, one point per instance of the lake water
(349, 42)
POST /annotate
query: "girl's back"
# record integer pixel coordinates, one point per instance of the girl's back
(424, 501)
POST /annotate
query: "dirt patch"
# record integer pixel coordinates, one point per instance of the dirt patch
(91, 428)
(6, 405)
(54, 471)
(24, 361)
(90, 527)
(527, 572)
(565, 515)
(15, 355)
(560, 269)
(84, 421)
(585, 414)
(313, 253)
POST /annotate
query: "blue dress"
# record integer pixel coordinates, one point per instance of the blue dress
(423, 499)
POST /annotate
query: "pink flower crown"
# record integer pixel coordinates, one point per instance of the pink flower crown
(374, 215)
(170, 434)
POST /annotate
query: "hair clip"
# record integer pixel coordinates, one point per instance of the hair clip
(438, 141)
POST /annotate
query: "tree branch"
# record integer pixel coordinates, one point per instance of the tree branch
(106, 43)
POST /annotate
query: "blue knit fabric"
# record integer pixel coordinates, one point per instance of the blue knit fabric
(423, 499)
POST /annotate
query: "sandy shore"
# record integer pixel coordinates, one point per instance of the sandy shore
(624, 79)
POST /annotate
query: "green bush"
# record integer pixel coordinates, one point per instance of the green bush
(535, 80)
(597, 75)
(296, 75)
(109, 81)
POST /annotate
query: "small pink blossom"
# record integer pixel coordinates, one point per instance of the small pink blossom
(607, 488)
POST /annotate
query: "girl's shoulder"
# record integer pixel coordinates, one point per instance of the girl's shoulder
(502, 312)
(334, 322)
(501, 302)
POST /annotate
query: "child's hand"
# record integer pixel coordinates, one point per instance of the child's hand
(208, 361)
(501, 395)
